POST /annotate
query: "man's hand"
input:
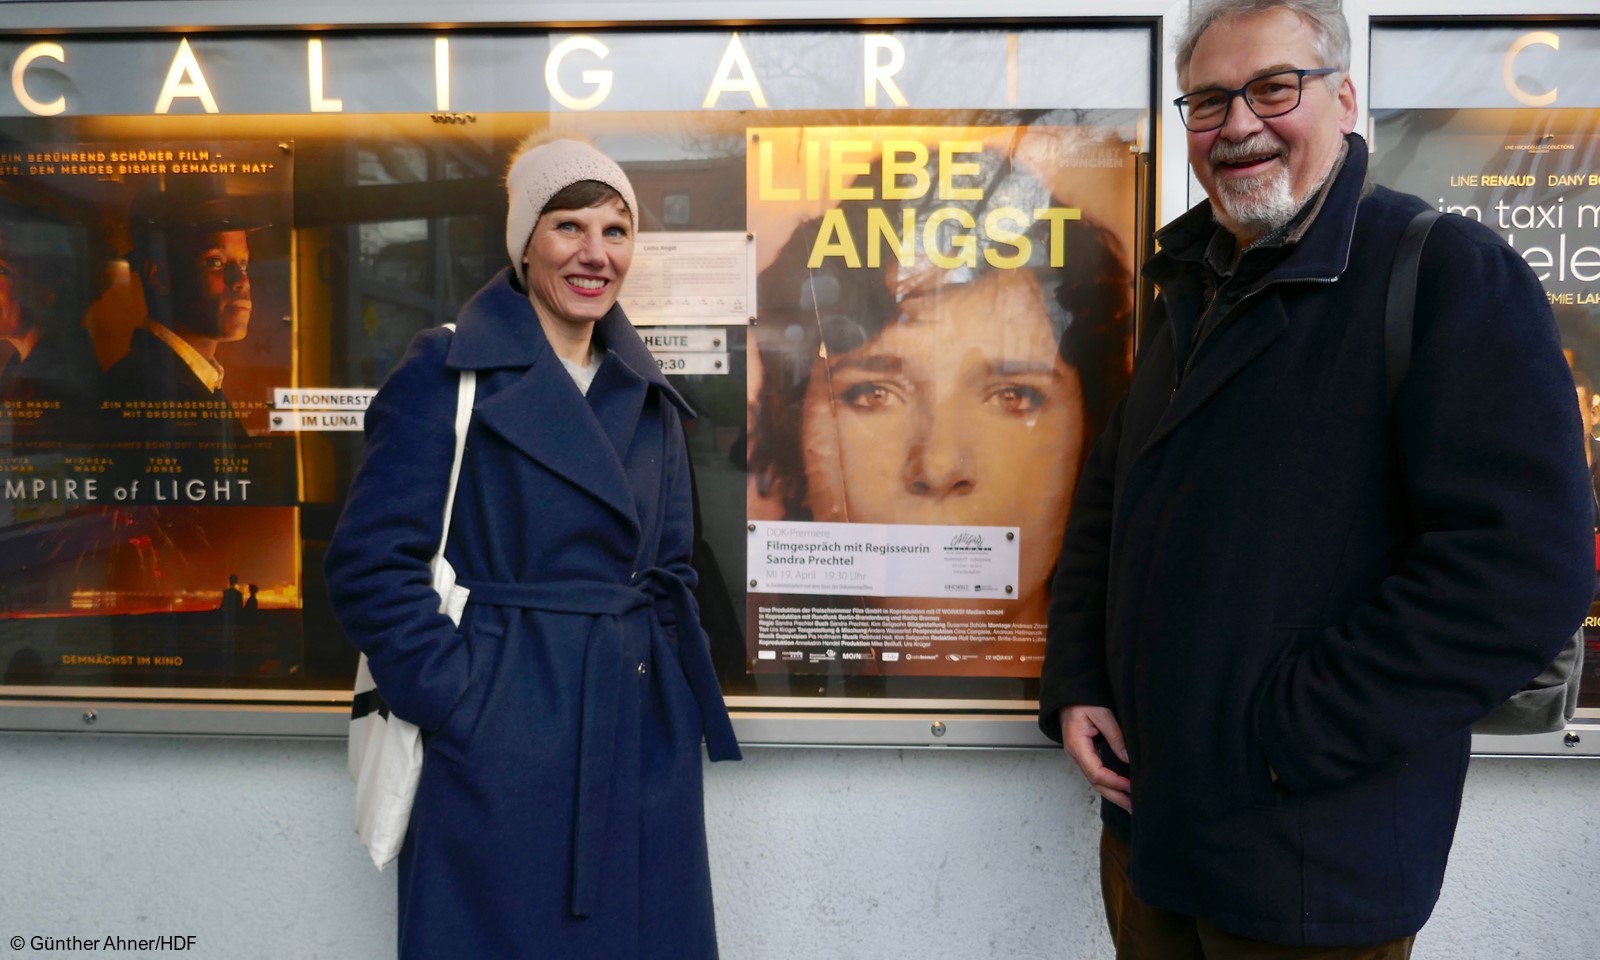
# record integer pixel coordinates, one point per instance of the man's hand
(1079, 727)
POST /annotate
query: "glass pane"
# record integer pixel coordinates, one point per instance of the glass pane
(1511, 139)
(776, 269)
(397, 254)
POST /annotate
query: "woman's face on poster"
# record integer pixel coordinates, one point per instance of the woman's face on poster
(962, 412)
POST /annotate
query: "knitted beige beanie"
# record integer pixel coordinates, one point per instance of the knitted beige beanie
(543, 171)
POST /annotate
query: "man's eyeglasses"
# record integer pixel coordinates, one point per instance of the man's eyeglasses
(1269, 95)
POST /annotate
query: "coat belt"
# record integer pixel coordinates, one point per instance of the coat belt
(609, 603)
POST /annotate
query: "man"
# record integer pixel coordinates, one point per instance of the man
(1279, 603)
(194, 266)
(232, 600)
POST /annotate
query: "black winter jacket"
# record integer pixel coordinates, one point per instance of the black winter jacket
(1265, 568)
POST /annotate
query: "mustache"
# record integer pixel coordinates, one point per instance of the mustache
(1258, 144)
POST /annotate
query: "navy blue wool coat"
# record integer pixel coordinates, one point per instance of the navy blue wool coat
(559, 813)
(1265, 571)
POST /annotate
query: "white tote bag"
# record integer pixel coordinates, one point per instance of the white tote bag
(385, 751)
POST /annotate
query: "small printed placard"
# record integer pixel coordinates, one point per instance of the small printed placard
(322, 398)
(693, 364)
(312, 421)
(883, 560)
(684, 339)
(691, 278)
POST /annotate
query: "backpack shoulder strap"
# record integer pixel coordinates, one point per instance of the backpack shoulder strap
(1402, 301)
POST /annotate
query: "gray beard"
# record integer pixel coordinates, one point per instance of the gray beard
(1256, 206)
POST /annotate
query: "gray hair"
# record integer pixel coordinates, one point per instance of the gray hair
(1326, 17)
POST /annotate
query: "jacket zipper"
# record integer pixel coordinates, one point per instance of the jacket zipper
(1206, 331)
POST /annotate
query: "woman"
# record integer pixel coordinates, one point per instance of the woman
(559, 812)
(911, 393)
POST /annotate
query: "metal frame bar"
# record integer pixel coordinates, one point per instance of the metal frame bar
(819, 728)
(105, 15)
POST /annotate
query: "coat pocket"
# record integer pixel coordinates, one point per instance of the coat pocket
(476, 638)
(1265, 789)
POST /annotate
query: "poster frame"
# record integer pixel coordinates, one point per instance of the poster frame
(1581, 737)
(323, 714)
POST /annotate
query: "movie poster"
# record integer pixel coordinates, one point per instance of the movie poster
(150, 510)
(943, 325)
(1533, 176)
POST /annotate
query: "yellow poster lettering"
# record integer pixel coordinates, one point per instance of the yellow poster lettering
(813, 169)
(879, 229)
(964, 243)
(765, 188)
(842, 170)
(916, 168)
(995, 227)
(834, 240)
(1057, 217)
(1003, 229)
(950, 168)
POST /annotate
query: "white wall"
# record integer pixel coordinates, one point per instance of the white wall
(875, 854)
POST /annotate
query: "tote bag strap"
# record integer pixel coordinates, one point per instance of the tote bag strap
(465, 391)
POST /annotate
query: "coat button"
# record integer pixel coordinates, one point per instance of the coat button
(643, 669)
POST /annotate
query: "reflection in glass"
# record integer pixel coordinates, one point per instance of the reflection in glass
(398, 218)
(1528, 175)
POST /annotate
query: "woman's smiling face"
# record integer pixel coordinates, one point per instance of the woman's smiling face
(577, 260)
(961, 412)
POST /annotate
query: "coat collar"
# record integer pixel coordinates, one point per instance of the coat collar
(539, 409)
(1322, 253)
(498, 329)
